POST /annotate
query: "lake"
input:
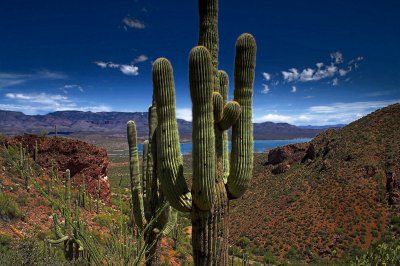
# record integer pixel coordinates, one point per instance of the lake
(259, 146)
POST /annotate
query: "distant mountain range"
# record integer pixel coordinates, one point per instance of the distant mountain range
(77, 123)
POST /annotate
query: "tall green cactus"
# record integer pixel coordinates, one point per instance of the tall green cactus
(147, 198)
(215, 179)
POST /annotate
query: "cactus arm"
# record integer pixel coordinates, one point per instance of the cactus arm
(224, 85)
(144, 182)
(58, 232)
(152, 188)
(218, 106)
(57, 241)
(241, 166)
(169, 159)
(203, 137)
(136, 188)
(232, 112)
(67, 189)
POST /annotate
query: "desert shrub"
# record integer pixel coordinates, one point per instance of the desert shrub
(293, 254)
(383, 254)
(121, 204)
(29, 251)
(22, 200)
(338, 230)
(8, 207)
(5, 242)
(269, 258)
(106, 219)
(243, 242)
(395, 221)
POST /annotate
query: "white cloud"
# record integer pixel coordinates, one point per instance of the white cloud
(39, 103)
(266, 76)
(141, 58)
(337, 57)
(274, 118)
(307, 74)
(130, 70)
(67, 87)
(357, 59)
(336, 113)
(133, 23)
(322, 70)
(294, 89)
(101, 64)
(291, 75)
(12, 79)
(265, 89)
(184, 113)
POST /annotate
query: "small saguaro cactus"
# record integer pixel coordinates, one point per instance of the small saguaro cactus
(151, 212)
(72, 245)
(216, 179)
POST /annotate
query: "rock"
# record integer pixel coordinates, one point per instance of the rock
(290, 153)
(310, 153)
(281, 168)
(86, 162)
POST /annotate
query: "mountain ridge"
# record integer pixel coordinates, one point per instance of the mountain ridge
(114, 123)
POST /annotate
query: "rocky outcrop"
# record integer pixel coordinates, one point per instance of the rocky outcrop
(85, 161)
(289, 154)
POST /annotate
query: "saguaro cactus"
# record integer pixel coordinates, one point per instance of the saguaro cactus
(151, 212)
(72, 245)
(215, 179)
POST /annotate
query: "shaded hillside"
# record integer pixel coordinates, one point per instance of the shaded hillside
(326, 199)
(113, 124)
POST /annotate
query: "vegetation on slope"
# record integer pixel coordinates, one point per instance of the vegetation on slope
(331, 203)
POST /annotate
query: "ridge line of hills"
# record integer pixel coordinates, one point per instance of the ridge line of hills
(114, 123)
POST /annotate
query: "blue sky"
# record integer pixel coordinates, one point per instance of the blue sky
(318, 62)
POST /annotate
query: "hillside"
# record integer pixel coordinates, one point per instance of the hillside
(28, 205)
(112, 125)
(328, 198)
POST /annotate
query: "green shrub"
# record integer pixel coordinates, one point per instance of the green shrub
(383, 254)
(243, 242)
(8, 207)
(269, 258)
(5, 242)
(106, 220)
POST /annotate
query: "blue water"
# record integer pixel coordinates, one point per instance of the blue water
(259, 146)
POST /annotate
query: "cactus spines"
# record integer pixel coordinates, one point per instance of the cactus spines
(169, 162)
